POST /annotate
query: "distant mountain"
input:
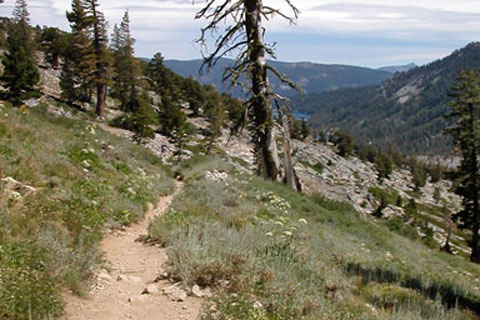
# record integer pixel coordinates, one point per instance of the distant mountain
(312, 77)
(406, 110)
(395, 69)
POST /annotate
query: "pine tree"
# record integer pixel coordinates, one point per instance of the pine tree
(384, 166)
(465, 108)
(102, 57)
(55, 45)
(162, 80)
(20, 70)
(306, 131)
(126, 66)
(171, 118)
(79, 68)
(21, 18)
(216, 114)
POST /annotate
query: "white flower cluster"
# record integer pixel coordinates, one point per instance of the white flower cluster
(139, 181)
(275, 202)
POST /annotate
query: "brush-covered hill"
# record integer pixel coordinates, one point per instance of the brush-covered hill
(349, 247)
(262, 250)
(406, 110)
(311, 77)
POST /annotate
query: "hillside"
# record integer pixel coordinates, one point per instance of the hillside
(237, 242)
(312, 77)
(406, 110)
(402, 68)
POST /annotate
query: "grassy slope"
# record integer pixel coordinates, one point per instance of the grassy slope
(85, 180)
(246, 238)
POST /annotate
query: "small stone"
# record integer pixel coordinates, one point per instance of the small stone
(175, 293)
(138, 299)
(122, 277)
(134, 279)
(207, 293)
(151, 289)
(103, 275)
(257, 305)
(184, 307)
(197, 292)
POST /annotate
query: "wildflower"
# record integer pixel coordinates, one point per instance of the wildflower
(15, 196)
(279, 223)
(269, 234)
(85, 151)
(85, 170)
(86, 163)
(304, 221)
(287, 233)
(91, 150)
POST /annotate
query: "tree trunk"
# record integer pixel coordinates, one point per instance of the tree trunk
(264, 138)
(100, 73)
(291, 179)
(101, 98)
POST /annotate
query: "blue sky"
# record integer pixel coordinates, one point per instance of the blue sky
(359, 32)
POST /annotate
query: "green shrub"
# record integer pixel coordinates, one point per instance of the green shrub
(318, 167)
(398, 225)
(26, 290)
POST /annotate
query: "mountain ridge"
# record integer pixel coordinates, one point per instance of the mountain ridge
(405, 111)
(312, 77)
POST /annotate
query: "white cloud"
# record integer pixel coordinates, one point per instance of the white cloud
(430, 27)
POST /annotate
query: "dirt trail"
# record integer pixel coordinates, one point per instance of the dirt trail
(133, 266)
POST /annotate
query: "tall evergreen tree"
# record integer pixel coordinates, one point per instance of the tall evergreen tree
(79, 68)
(102, 57)
(20, 70)
(54, 43)
(21, 18)
(162, 80)
(216, 114)
(126, 66)
(465, 108)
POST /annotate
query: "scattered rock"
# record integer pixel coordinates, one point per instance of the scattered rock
(138, 299)
(175, 292)
(104, 276)
(151, 289)
(197, 292)
(134, 279)
(216, 175)
(122, 278)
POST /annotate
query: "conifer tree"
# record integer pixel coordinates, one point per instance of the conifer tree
(245, 36)
(465, 108)
(215, 113)
(21, 18)
(126, 66)
(102, 57)
(20, 70)
(55, 45)
(79, 68)
(162, 80)
(306, 131)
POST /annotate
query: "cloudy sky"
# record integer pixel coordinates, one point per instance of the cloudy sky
(360, 32)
